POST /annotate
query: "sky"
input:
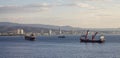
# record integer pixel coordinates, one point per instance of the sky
(76, 13)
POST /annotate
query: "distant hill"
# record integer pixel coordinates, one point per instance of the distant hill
(7, 26)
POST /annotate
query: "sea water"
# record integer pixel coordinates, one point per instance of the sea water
(54, 47)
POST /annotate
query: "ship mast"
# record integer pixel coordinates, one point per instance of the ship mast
(86, 34)
(93, 36)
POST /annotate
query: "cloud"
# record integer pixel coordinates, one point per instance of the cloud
(96, 1)
(84, 5)
(24, 8)
(39, 7)
(99, 0)
(81, 5)
(104, 15)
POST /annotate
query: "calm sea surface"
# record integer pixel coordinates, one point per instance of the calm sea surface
(54, 47)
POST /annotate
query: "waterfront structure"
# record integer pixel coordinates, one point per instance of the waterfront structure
(20, 31)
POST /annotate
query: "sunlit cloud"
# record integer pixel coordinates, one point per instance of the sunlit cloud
(38, 7)
(22, 9)
(92, 0)
(84, 5)
(81, 5)
(99, 0)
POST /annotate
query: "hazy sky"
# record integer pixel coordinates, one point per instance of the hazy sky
(76, 13)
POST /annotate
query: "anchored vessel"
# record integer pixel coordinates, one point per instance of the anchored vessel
(60, 34)
(31, 37)
(84, 38)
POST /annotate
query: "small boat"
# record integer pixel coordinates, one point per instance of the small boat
(31, 37)
(84, 38)
(60, 34)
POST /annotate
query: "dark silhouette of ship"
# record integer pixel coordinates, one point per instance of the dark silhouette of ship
(84, 38)
(31, 37)
(60, 34)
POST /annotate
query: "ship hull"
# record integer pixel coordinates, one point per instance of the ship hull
(91, 41)
(30, 38)
(61, 36)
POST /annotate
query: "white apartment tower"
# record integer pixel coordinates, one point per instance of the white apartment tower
(20, 31)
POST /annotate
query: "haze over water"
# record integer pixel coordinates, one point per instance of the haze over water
(54, 47)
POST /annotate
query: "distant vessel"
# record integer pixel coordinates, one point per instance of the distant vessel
(60, 34)
(31, 37)
(84, 38)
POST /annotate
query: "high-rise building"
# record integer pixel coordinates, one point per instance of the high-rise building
(50, 32)
(20, 31)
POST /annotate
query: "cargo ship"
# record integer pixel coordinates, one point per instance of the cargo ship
(31, 37)
(84, 38)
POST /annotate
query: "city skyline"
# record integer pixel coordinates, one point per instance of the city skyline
(76, 13)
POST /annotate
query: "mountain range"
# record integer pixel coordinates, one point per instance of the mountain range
(8, 26)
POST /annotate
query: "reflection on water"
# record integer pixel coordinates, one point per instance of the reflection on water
(53, 47)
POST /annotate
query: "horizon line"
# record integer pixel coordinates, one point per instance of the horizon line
(66, 25)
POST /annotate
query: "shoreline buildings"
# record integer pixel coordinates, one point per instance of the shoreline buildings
(20, 31)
